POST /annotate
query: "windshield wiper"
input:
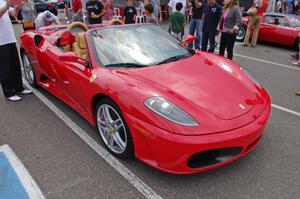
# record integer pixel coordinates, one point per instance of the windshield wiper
(131, 65)
(174, 58)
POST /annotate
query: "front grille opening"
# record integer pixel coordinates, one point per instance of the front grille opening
(251, 146)
(212, 157)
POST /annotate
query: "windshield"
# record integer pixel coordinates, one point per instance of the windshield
(144, 45)
(295, 20)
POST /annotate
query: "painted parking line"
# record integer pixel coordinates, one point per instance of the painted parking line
(286, 110)
(15, 181)
(268, 62)
(135, 181)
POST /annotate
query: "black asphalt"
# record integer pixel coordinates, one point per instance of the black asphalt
(65, 167)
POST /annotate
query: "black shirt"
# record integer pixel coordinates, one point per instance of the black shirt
(129, 13)
(197, 12)
(96, 7)
(212, 15)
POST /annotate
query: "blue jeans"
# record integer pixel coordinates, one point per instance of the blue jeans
(195, 26)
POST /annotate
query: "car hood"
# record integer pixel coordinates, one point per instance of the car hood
(211, 82)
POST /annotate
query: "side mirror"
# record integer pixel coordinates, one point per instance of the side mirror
(72, 57)
(188, 39)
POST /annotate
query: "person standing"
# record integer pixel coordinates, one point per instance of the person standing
(295, 7)
(196, 23)
(172, 8)
(130, 13)
(149, 14)
(211, 18)
(95, 11)
(156, 9)
(27, 14)
(177, 22)
(10, 68)
(255, 20)
(231, 20)
(77, 11)
(109, 12)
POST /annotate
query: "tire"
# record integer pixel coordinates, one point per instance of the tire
(28, 70)
(113, 129)
(241, 34)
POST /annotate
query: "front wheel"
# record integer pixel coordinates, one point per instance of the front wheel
(241, 33)
(113, 129)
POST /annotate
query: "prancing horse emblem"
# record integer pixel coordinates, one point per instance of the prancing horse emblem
(242, 106)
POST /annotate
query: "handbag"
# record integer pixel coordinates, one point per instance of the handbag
(252, 11)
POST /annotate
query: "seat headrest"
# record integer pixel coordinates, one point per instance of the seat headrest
(81, 41)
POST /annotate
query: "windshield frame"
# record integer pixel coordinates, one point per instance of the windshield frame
(94, 51)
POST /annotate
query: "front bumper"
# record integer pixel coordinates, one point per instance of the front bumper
(171, 152)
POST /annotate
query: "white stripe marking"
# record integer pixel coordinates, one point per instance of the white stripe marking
(116, 164)
(286, 110)
(268, 62)
(25, 178)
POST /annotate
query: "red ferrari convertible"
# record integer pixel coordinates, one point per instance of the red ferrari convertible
(178, 110)
(276, 28)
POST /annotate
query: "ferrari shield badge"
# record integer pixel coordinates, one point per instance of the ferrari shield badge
(92, 78)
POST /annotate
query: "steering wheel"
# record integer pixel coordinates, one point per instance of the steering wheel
(77, 25)
(116, 22)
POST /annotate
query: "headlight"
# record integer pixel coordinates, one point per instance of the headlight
(169, 111)
(251, 77)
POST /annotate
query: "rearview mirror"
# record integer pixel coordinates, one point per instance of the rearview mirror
(188, 39)
(72, 57)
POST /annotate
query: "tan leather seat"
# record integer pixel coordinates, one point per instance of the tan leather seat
(80, 46)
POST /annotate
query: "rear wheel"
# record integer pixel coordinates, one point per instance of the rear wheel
(28, 70)
(241, 33)
(113, 129)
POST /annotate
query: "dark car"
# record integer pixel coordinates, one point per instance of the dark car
(42, 5)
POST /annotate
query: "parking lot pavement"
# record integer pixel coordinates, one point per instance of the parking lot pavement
(66, 167)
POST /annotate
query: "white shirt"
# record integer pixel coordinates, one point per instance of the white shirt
(173, 3)
(40, 22)
(7, 35)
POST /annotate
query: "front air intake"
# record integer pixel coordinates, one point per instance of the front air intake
(212, 157)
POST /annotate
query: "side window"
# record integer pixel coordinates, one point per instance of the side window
(277, 20)
(269, 19)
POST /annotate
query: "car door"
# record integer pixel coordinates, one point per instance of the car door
(269, 31)
(75, 77)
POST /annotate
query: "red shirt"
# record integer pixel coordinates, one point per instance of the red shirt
(263, 8)
(77, 5)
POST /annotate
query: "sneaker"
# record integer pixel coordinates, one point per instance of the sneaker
(296, 63)
(25, 92)
(14, 98)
